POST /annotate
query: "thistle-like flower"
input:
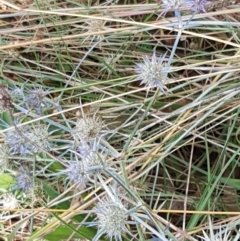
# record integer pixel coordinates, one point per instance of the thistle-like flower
(76, 173)
(8, 201)
(24, 181)
(16, 143)
(205, 5)
(4, 156)
(31, 98)
(112, 218)
(198, 6)
(35, 98)
(88, 128)
(153, 73)
(39, 135)
(172, 4)
(19, 145)
(95, 163)
(94, 160)
(96, 26)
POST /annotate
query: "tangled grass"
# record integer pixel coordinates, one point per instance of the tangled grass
(136, 107)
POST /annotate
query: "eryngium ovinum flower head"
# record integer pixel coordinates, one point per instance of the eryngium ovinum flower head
(172, 4)
(95, 26)
(88, 128)
(112, 217)
(32, 98)
(8, 201)
(85, 168)
(24, 181)
(36, 97)
(4, 156)
(76, 174)
(153, 73)
(198, 6)
(96, 163)
(18, 145)
(206, 5)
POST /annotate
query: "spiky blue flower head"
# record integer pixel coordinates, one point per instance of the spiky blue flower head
(112, 218)
(173, 4)
(24, 181)
(198, 6)
(88, 128)
(94, 159)
(8, 201)
(18, 144)
(153, 73)
(93, 162)
(206, 5)
(35, 98)
(76, 173)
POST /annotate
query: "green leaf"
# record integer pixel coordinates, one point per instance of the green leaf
(64, 232)
(6, 181)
